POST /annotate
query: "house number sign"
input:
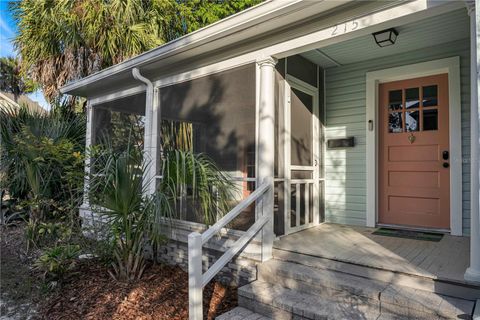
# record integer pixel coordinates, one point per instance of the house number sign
(344, 27)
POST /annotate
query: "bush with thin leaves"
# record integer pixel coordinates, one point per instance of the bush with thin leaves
(42, 166)
(119, 195)
(41, 153)
(196, 178)
(135, 218)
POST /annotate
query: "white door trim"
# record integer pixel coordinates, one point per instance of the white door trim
(295, 83)
(373, 79)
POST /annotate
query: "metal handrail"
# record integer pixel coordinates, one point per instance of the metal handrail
(197, 280)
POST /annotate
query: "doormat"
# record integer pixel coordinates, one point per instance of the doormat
(409, 234)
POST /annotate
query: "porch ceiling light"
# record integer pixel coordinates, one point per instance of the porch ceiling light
(385, 38)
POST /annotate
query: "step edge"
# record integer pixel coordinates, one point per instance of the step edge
(466, 285)
(367, 301)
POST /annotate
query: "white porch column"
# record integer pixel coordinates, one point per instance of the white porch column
(473, 272)
(88, 144)
(266, 147)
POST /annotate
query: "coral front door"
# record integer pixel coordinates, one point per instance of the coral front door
(414, 175)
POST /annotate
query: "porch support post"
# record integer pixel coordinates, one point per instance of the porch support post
(266, 147)
(473, 272)
(88, 144)
(149, 160)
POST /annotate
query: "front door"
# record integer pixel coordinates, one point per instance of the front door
(414, 175)
(302, 156)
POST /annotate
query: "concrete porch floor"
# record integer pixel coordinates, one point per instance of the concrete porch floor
(445, 260)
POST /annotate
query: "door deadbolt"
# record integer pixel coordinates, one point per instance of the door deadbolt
(445, 155)
(446, 165)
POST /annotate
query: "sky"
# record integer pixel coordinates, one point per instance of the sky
(8, 29)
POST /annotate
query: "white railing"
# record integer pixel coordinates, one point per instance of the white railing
(197, 280)
(305, 191)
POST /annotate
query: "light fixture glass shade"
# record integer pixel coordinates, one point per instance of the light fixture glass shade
(385, 38)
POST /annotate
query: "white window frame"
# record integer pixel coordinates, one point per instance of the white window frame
(451, 66)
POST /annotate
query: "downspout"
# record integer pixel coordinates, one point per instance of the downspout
(150, 130)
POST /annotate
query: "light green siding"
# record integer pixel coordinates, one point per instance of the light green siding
(345, 186)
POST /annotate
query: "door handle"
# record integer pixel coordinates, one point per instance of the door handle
(446, 165)
(315, 162)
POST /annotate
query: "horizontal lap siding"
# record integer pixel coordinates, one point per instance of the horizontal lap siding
(345, 169)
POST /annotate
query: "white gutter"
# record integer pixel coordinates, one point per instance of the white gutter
(148, 106)
(150, 134)
(138, 76)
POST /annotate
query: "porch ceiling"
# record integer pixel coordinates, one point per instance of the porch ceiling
(421, 34)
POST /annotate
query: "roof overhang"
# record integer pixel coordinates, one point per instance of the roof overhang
(251, 23)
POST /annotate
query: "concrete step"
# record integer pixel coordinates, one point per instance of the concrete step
(321, 282)
(281, 303)
(385, 296)
(440, 286)
(240, 313)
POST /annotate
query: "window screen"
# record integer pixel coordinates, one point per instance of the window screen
(120, 123)
(215, 115)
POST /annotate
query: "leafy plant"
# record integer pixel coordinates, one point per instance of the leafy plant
(44, 233)
(119, 194)
(55, 262)
(39, 152)
(42, 164)
(60, 41)
(135, 219)
(12, 80)
(195, 179)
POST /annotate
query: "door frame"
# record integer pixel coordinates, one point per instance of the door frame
(295, 83)
(451, 66)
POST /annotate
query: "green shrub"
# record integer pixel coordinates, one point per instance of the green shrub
(136, 219)
(42, 167)
(42, 158)
(55, 262)
(46, 233)
(118, 192)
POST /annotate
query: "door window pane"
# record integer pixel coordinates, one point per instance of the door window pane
(301, 174)
(395, 100)
(395, 123)
(279, 208)
(430, 119)
(293, 205)
(411, 121)
(412, 98)
(301, 128)
(302, 212)
(430, 96)
(310, 202)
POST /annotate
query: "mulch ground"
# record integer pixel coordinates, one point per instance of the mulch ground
(90, 293)
(162, 293)
(20, 285)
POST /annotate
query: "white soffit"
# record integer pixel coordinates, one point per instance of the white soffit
(421, 34)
